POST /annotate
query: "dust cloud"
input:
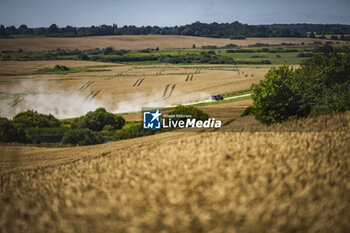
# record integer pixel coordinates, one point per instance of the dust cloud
(71, 103)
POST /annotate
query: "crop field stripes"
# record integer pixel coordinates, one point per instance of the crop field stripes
(85, 86)
(95, 94)
(138, 82)
(92, 95)
(15, 102)
(189, 78)
(170, 92)
(165, 90)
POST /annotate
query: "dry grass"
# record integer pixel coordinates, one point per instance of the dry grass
(207, 182)
(135, 42)
(15, 67)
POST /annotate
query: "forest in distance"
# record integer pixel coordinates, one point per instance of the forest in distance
(234, 30)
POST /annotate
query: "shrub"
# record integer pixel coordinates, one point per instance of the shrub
(229, 46)
(108, 50)
(265, 62)
(61, 68)
(132, 132)
(136, 131)
(39, 135)
(30, 119)
(324, 83)
(98, 119)
(81, 137)
(83, 57)
(304, 55)
(274, 99)
(320, 85)
(189, 110)
(209, 47)
(237, 37)
(7, 130)
(259, 45)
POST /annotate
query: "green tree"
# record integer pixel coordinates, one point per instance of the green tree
(274, 97)
(7, 130)
(30, 119)
(320, 85)
(81, 137)
(108, 50)
(98, 119)
(191, 111)
(23, 29)
(312, 35)
(53, 29)
(3, 31)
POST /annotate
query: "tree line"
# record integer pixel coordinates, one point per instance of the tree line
(235, 30)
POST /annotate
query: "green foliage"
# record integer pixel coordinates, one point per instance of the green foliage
(324, 83)
(234, 30)
(108, 50)
(237, 37)
(83, 57)
(320, 85)
(259, 45)
(81, 137)
(8, 132)
(274, 98)
(189, 110)
(62, 68)
(305, 55)
(40, 135)
(209, 47)
(100, 118)
(3, 31)
(134, 132)
(32, 119)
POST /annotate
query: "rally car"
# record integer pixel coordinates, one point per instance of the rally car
(217, 97)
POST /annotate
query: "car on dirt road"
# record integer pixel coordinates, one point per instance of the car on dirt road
(217, 97)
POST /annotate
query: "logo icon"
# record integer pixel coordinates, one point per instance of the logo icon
(151, 120)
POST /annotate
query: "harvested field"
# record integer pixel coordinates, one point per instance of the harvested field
(15, 67)
(133, 42)
(275, 181)
(122, 88)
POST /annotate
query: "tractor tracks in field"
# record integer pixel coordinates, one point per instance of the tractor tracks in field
(170, 91)
(92, 95)
(138, 82)
(85, 86)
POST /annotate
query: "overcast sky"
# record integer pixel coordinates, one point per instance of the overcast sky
(37, 13)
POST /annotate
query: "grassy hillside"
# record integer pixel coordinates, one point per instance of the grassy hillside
(258, 179)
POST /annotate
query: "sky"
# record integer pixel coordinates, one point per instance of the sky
(42, 13)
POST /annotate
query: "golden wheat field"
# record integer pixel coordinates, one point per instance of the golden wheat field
(253, 179)
(135, 42)
(118, 88)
